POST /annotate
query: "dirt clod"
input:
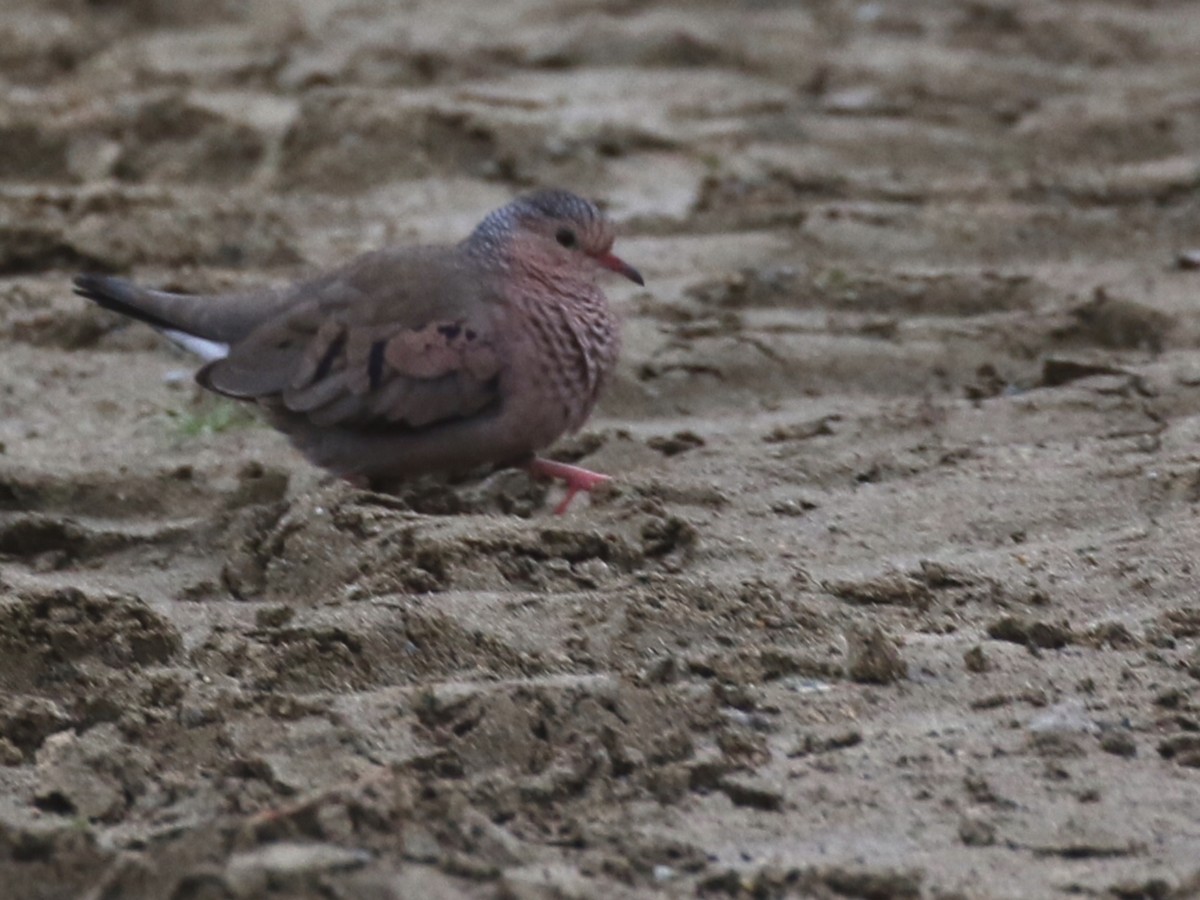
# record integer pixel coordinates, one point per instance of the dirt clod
(872, 657)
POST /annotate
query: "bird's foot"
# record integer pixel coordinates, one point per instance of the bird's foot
(576, 478)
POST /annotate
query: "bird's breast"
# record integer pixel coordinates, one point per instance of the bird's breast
(570, 350)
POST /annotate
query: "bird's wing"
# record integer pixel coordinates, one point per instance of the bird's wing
(402, 340)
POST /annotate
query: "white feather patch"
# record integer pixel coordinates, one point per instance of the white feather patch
(202, 347)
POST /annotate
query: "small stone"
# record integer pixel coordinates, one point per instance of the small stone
(194, 715)
(975, 831)
(1188, 260)
(1172, 698)
(420, 846)
(706, 768)
(669, 784)
(673, 445)
(825, 742)
(975, 660)
(10, 753)
(1193, 663)
(1184, 749)
(273, 616)
(752, 792)
(274, 865)
(1033, 634)
(663, 670)
(872, 657)
(1057, 744)
(1119, 743)
(1178, 743)
(793, 507)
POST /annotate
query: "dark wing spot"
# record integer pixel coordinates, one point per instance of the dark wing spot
(469, 334)
(449, 332)
(331, 353)
(375, 364)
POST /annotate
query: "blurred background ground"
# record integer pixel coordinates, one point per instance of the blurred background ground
(895, 593)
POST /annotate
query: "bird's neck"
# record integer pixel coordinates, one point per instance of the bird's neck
(534, 271)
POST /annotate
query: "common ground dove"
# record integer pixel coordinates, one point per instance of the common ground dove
(419, 359)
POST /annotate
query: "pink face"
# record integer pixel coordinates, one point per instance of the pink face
(580, 235)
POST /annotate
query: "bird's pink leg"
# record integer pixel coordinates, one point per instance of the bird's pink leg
(576, 478)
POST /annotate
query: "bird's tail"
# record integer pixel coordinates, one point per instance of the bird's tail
(124, 297)
(175, 315)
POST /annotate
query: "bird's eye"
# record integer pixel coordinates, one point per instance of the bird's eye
(566, 237)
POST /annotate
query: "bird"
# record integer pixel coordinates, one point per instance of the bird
(419, 359)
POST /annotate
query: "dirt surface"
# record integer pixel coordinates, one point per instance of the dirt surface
(895, 594)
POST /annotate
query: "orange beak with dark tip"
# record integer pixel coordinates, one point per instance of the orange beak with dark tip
(618, 265)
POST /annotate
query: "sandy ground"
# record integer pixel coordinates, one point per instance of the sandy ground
(896, 593)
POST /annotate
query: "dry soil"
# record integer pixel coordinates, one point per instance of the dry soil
(895, 594)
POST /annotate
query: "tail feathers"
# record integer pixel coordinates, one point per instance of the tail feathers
(119, 296)
(128, 299)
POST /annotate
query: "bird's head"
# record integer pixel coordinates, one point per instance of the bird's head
(558, 230)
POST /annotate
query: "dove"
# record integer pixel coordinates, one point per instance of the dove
(420, 359)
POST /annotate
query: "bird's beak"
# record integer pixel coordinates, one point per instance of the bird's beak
(618, 265)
